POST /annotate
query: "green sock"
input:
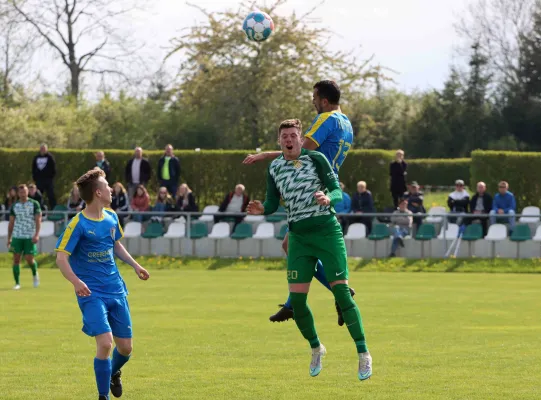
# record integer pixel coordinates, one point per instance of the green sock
(34, 268)
(304, 318)
(16, 273)
(351, 315)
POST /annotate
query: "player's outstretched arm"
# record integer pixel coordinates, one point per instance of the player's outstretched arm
(62, 260)
(122, 254)
(267, 155)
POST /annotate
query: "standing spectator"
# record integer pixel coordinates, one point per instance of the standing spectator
(504, 203)
(35, 194)
(138, 171)
(11, 198)
(186, 199)
(481, 203)
(343, 207)
(458, 201)
(169, 171)
(103, 164)
(119, 202)
(398, 177)
(43, 173)
(402, 220)
(415, 200)
(362, 202)
(164, 203)
(234, 202)
(75, 202)
(140, 202)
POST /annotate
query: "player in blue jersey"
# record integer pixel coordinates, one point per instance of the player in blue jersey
(331, 133)
(86, 257)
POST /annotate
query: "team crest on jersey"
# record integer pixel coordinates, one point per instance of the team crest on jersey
(113, 231)
(297, 164)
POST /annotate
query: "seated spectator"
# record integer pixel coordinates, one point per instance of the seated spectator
(119, 201)
(140, 202)
(343, 207)
(75, 203)
(234, 202)
(402, 221)
(185, 199)
(11, 198)
(415, 202)
(362, 202)
(164, 203)
(458, 201)
(481, 203)
(35, 194)
(504, 204)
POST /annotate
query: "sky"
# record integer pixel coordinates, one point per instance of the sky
(415, 38)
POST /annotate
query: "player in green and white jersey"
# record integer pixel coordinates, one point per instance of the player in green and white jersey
(306, 182)
(23, 233)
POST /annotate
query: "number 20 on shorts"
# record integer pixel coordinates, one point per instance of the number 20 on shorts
(292, 275)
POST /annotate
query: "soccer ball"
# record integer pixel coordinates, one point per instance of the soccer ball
(258, 26)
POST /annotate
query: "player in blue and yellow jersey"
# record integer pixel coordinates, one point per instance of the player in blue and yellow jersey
(86, 257)
(331, 133)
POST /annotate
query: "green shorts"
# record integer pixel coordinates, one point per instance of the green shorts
(23, 246)
(324, 242)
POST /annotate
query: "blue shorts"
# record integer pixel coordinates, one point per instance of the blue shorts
(102, 315)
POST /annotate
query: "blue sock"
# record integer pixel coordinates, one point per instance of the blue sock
(288, 303)
(118, 361)
(102, 369)
(320, 275)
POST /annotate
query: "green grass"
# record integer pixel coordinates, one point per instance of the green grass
(202, 333)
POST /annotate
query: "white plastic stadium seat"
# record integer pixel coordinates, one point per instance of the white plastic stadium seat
(451, 233)
(435, 211)
(4, 228)
(264, 231)
(530, 215)
(208, 212)
(176, 230)
(496, 232)
(220, 231)
(250, 219)
(47, 229)
(356, 231)
(537, 236)
(132, 229)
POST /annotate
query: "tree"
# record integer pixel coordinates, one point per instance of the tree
(71, 27)
(242, 89)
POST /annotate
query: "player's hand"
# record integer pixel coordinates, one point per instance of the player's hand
(322, 199)
(142, 273)
(35, 239)
(9, 242)
(81, 289)
(253, 158)
(255, 208)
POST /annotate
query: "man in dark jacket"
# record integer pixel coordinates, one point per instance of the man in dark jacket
(398, 174)
(104, 165)
(234, 202)
(481, 203)
(138, 171)
(169, 171)
(363, 202)
(43, 173)
(415, 200)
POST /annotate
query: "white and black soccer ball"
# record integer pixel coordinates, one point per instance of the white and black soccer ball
(258, 26)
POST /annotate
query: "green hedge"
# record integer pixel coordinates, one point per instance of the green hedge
(439, 172)
(520, 170)
(210, 173)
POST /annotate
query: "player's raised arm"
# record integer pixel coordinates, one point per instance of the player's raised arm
(267, 155)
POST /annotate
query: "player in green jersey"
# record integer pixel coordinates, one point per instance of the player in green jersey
(306, 182)
(23, 233)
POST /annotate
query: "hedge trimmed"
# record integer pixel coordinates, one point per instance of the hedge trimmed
(439, 172)
(520, 170)
(209, 173)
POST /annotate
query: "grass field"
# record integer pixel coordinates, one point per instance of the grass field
(202, 333)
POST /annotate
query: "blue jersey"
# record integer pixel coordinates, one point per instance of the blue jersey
(90, 245)
(333, 134)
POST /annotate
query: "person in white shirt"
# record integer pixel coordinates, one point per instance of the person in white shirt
(234, 202)
(138, 172)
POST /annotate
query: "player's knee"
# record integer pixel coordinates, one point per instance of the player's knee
(16, 258)
(125, 349)
(105, 344)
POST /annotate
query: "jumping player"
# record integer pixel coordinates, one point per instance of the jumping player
(331, 133)
(306, 182)
(86, 257)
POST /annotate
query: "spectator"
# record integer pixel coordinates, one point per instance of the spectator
(103, 164)
(43, 173)
(343, 207)
(140, 202)
(398, 177)
(75, 203)
(186, 199)
(481, 203)
(458, 201)
(138, 171)
(35, 194)
(362, 202)
(119, 201)
(164, 203)
(504, 203)
(415, 202)
(11, 198)
(169, 171)
(402, 221)
(234, 202)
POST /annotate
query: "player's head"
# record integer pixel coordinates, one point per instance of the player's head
(93, 187)
(22, 192)
(326, 96)
(290, 138)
